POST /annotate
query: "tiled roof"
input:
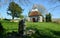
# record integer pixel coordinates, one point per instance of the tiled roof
(35, 13)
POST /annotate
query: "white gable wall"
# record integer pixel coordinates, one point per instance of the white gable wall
(28, 19)
(40, 19)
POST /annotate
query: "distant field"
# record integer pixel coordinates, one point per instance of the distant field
(51, 29)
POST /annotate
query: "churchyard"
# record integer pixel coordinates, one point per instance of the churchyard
(29, 19)
(42, 29)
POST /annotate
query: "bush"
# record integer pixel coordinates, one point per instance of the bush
(48, 17)
(2, 31)
(7, 19)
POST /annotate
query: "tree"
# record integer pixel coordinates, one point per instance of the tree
(19, 1)
(48, 17)
(15, 10)
(27, 1)
(21, 16)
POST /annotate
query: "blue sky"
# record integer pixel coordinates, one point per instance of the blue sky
(55, 13)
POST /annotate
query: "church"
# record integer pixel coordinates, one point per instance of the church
(35, 15)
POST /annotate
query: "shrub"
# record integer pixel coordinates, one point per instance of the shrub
(48, 17)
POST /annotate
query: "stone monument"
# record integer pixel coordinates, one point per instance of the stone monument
(21, 28)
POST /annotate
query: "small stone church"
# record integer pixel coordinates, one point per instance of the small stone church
(35, 16)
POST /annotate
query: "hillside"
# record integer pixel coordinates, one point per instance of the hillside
(43, 29)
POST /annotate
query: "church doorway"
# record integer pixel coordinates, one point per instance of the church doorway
(33, 19)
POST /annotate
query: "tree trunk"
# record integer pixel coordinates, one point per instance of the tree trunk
(13, 17)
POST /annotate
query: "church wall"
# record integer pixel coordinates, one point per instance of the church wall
(30, 18)
(40, 19)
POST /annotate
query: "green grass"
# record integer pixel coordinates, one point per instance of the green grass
(44, 25)
(10, 26)
(45, 29)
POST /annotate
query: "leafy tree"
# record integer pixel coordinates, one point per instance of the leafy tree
(19, 1)
(21, 16)
(15, 10)
(48, 17)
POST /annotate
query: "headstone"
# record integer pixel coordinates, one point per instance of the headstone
(21, 28)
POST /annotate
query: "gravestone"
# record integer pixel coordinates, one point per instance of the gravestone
(21, 28)
(1, 30)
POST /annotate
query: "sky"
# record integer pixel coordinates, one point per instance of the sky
(47, 5)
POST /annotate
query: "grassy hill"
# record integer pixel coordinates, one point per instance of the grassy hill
(44, 25)
(43, 30)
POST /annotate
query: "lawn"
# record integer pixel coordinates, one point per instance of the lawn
(44, 25)
(43, 29)
(10, 26)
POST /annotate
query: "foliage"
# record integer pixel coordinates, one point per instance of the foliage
(15, 10)
(7, 19)
(2, 30)
(23, 2)
(48, 17)
(21, 16)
